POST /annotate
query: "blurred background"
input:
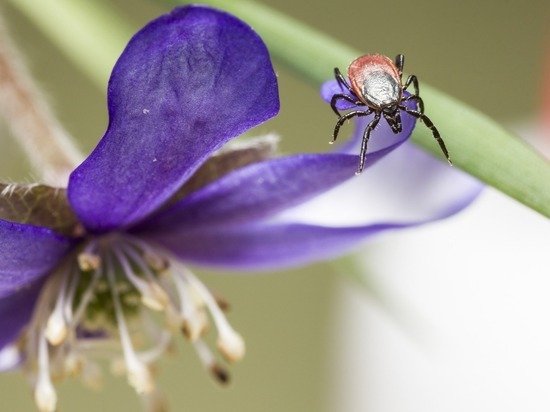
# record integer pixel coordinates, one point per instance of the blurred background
(454, 316)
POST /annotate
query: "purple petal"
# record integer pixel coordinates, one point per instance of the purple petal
(263, 247)
(27, 253)
(407, 189)
(408, 186)
(185, 84)
(16, 310)
(255, 191)
(265, 188)
(332, 87)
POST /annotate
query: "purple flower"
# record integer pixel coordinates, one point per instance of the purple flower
(88, 264)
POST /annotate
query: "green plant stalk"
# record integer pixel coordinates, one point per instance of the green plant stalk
(89, 34)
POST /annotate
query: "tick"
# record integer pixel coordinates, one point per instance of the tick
(377, 84)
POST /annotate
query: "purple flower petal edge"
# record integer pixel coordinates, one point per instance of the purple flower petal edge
(265, 188)
(275, 246)
(332, 87)
(27, 253)
(16, 311)
(186, 83)
(409, 188)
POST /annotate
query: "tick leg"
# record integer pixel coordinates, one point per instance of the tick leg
(366, 136)
(414, 80)
(418, 100)
(337, 97)
(345, 117)
(399, 63)
(432, 127)
(342, 81)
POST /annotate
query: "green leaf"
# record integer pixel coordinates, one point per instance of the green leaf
(38, 205)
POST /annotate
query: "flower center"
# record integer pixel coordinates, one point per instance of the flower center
(106, 301)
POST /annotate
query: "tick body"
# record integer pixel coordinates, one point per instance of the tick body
(375, 80)
(376, 87)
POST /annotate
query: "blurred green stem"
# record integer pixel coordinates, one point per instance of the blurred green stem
(88, 33)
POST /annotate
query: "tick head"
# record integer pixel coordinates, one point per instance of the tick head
(393, 117)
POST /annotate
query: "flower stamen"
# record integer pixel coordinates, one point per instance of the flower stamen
(44, 392)
(152, 295)
(230, 343)
(154, 402)
(77, 309)
(88, 261)
(194, 320)
(86, 298)
(209, 362)
(152, 354)
(138, 374)
(154, 260)
(69, 297)
(159, 292)
(57, 327)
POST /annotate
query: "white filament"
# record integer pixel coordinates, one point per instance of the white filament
(56, 326)
(230, 343)
(44, 392)
(138, 374)
(152, 294)
(86, 297)
(157, 290)
(194, 318)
